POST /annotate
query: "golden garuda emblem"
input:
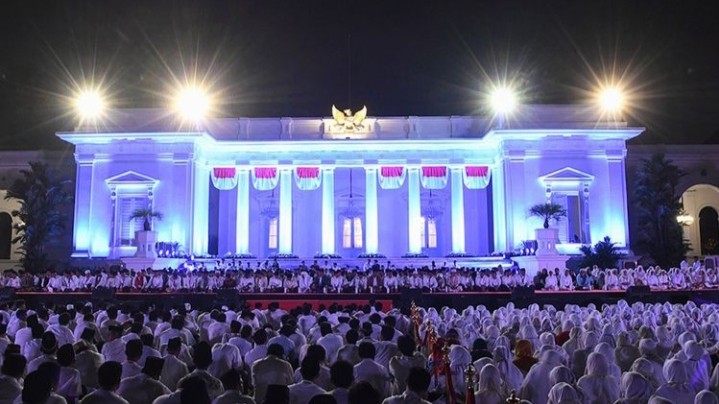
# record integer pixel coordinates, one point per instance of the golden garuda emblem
(347, 120)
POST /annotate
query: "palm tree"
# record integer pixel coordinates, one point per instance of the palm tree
(146, 214)
(548, 211)
(43, 197)
(658, 204)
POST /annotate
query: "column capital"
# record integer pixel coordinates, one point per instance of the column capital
(326, 169)
(371, 169)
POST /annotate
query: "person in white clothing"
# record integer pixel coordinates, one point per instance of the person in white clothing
(108, 377)
(13, 369)
(39, 385)
(133, 352)
(273, 369)
(114, 348)
(232, 382)
(330, 342)
(144, 387)
(302, 392)
(418, 382)
(173, 369)
(70, 381)
(370, 371)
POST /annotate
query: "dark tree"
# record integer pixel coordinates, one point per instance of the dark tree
(42, 196)
(605, 254)
(658, 205)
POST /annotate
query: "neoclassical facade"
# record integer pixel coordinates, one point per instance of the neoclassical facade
(387, 185)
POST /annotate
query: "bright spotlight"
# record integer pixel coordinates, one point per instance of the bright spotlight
(89, 104)
(192, 103)
(503, 100)
(611, 99)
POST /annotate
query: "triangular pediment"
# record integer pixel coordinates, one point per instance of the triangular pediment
(131, 178)
(567, 174)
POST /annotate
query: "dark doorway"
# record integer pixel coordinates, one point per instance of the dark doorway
(709, 231)
(5, 235)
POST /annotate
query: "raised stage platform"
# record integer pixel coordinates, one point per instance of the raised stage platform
(288, 301)
(400, 262)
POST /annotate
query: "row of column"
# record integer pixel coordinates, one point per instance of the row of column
(242, 240)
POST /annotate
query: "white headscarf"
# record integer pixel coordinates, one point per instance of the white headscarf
(536, 385)
(563, 393)
(598, 385)
(511, 374)
(459, 359)
(696, 365)
(635, 388)
(491, 389)
(677, 387)
(608, 352)
(706, 397)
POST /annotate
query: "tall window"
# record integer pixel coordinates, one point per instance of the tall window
(272, 239)
(428, 232)
(126, 205)
(352, 232)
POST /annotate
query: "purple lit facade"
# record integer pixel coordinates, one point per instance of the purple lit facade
(463, 186)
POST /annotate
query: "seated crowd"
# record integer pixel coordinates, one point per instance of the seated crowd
(372, 278)
(639, 353)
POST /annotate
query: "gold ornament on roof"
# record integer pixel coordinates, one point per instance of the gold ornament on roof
(349, 121)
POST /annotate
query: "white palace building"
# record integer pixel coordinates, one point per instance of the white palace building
(394, 186)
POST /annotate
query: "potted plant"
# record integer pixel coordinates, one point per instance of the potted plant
(146, 214)
(548, 211)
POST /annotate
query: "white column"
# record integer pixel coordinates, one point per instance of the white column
(457, 210)
(285, 219)
(370, 203)
(328, 211)
(242, 231)
(413, 210)
(200, 209)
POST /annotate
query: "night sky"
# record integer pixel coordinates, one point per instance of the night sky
(297, 58)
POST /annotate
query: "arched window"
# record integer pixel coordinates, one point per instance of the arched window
(272, 234)
(428, 232)
(5, 235)
(352, 232)
(709, 231)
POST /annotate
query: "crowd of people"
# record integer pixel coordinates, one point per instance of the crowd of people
(626, 354)
(268, 276)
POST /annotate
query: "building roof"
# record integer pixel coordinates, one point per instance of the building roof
(529, 119)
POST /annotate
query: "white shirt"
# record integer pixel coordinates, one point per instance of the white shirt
(233, 397)
(130, 369)
(370, 371)
(103, 397)
(224, 358)
(141, 388)
(331, 343)
(114, 351)
(10, 389)
(172, 371)
(408, 397)
(302, 392)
